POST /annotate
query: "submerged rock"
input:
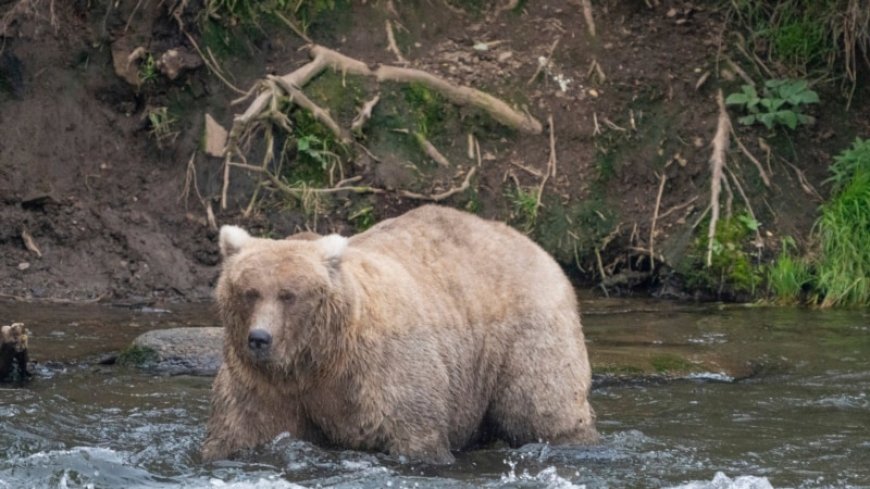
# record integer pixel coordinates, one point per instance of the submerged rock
(177, 351)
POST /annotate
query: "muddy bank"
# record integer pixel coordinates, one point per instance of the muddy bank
(105, 187)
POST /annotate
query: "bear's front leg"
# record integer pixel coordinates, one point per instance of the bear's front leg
(246, 414)
(432, 448)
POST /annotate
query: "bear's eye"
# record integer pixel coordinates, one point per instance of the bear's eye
(287, 296)
(251, 294)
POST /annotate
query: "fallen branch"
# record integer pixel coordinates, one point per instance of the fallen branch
(717, 163)
(443, 195)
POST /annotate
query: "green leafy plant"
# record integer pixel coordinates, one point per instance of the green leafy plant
(148, 69)
(781, 103)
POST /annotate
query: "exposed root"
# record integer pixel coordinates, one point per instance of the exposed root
(652, 228)
(753, 159)
(427, 147)
(363, 115)
(551, 164)
(443, 195)
(266, 110)
(717, 164)
(322, 115)
(391, 44)
(587, 14)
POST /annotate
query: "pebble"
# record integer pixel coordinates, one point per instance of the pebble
(23, 266)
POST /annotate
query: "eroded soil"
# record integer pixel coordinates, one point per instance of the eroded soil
(106, 206)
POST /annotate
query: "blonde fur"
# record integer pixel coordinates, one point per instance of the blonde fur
(430, 332)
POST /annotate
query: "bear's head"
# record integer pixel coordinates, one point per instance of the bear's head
(280, 300)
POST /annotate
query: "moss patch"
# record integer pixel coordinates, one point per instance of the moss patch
(138, 356)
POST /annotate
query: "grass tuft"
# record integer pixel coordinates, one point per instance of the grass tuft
(843, 231)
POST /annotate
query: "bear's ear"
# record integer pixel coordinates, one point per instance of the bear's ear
(333, 247)
(232, 239)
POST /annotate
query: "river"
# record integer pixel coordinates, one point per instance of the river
(800, 419)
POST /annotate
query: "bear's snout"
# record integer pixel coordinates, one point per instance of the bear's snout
(259, 340)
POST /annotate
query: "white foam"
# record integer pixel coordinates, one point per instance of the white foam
(549, 477)
(722, 481)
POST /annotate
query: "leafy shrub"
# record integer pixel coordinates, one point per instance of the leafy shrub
(781, 103)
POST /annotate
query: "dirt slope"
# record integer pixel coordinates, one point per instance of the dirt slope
(105, 204)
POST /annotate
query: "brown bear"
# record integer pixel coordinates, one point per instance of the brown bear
(13, 352)
(425, 334)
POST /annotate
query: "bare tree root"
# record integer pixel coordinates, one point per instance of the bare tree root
(443, 195)
(391, 44)
(551, 163)
(587, 14)
(364, 114)
(427, 147)
(752, 158)
(717, 164)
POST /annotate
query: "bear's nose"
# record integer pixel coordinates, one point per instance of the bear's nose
(259, 339)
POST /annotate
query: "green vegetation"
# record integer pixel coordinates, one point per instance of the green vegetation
(235, 12)
(137, 356)
(843, 231)
(362, 218)
(572, 233)
(805, 37)
(782, 103)
(670, 363)
(148, 69)
(789, 275)
(733, 268)
(160, 122)
(524, 204)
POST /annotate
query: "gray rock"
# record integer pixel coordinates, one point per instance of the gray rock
(178, 351)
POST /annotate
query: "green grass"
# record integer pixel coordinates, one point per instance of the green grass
(789, 275)
(806, 37)
(843, 231)
(733, 268)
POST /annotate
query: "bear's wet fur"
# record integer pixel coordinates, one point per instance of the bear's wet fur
(408, 338)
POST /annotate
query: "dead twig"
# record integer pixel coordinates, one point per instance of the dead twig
(652, 229)
(30, 243)
(545, 62)
(443, 195)
(427, 147)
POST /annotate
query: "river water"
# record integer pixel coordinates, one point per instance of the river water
(802, 419)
